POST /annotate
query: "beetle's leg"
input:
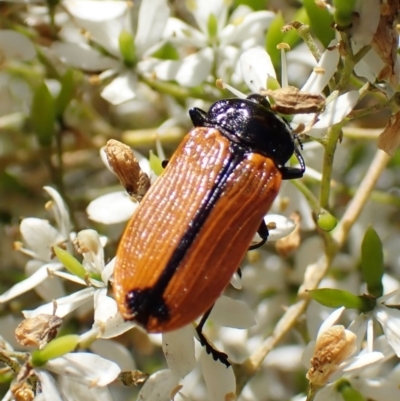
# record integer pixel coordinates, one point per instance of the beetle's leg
(217, 355)
(290, 173)
(239, 272)
(263, 233)
(164, 163)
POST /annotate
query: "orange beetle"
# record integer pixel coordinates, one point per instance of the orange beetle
(193, 227)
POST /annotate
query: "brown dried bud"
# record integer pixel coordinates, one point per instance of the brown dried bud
(333, 346)
(37, 331)
(22, 391)
(290, 100)
(389, 139)
(125, 165)
(133, 377)
(286, 245)
(385, 41)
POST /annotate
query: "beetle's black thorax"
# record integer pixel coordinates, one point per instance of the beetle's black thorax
(252, 124)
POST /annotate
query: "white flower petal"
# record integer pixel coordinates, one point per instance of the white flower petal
(202, 9)
(121, 89)
(70, 277)
(40, 236)
(159, 386)
(337, 110)
(49, 386)
(82, 56)
(191, 71)
(256, 67)
(30, 282)
(365, 26)
(98, 11)
(253, 24)
(232, 313)
(74, 389)
(361, 361)
(317, 81)
(389, 319)
(115, 352)
(330, 320)
(114, 326)
(220, 380)
(369, 66)
(284, 226)
(104, 307)
(180, 33)
(15, 46)
(153, 16)
(86, 367)
(65, 305)
(60, 211)
(112, 208)
(51, 287)
(108, 271)
(178, 347)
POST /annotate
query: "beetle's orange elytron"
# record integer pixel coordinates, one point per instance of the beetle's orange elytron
(193, 227)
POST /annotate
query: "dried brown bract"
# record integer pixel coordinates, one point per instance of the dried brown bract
(125, 165)
(291, 100)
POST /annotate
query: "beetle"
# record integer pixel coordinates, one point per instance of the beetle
(193, 227)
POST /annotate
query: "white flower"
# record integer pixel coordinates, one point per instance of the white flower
(80, 375)
(39, 237)
(219, 40)
(106, 21)
(107, 320)
(336, 355)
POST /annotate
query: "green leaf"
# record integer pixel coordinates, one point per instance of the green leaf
(54, 349)
(155, 163)
(127, 48)
(256, 5)
(344, 12)
(326, 221)
(212, 26)
(66, 92)
(166, 52)
(273, 37)
(43, 114)
(70, 263)
(348, 393)
(334, 298)
(321, 22)
(372, 265)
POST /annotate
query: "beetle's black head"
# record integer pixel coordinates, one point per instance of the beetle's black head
(251, 123)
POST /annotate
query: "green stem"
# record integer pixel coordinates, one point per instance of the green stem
(330, 148)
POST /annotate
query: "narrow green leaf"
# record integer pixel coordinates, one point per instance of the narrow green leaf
(155, 163)
(372, 265)
(212, 26)
(66, 92)
(344, 12)
(70, 263)
(256, 5)
(43, 114)
(273, 37)
(348, 392)
(127, 48)
(321, 21)
(334, 298)
(54, 349)
(166, 52)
